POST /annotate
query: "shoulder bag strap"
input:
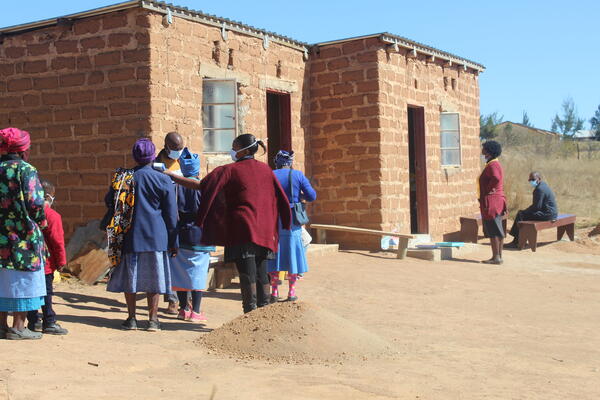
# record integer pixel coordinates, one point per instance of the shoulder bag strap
(291, 187)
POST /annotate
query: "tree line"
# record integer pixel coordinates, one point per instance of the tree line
(565, 123)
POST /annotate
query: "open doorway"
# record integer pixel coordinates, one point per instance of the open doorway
(419, 218)
(279, 129)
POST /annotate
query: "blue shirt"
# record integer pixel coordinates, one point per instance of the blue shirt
(302, 187)
(154, 223)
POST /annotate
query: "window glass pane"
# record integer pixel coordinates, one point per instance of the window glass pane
(449, 121)
(218, 140)
(450, 139)
(451, 157)
(220, 116)
(218, 92)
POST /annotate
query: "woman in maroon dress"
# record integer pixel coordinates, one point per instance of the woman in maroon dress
(242, 203)
(491, 199)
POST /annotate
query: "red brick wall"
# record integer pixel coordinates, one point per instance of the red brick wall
(345, 137)
(82, 92)
(359, 138)
(182, 55)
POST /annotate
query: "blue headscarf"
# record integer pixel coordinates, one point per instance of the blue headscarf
(283, 159)
(189, 163)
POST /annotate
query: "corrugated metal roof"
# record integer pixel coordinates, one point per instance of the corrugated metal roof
(412, 45)
(230, 25)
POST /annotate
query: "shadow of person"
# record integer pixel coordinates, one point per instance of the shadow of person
(75, 298)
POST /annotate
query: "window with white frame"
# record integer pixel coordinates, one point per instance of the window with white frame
(219, 114)
(450, 138)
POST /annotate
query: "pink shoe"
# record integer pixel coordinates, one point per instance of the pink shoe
(184, 314)
(198, 318)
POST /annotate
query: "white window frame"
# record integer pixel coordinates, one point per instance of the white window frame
(235, 110)
(459, 148)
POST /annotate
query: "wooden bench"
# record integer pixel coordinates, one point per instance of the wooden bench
(321, 231)
(528, 230)
(469, 228)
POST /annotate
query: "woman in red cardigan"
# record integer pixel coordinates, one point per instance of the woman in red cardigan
(491, 199)
(240, 208)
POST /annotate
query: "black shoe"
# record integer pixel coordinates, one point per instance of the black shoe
(274, 299)
(130, 324)
(35, 326)
(293, 298)
(54, 329)
(512, 245)
(153, 326)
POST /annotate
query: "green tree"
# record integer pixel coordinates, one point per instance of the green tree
(525, 121)
(569, 122)
(488, 124)
(595, 123)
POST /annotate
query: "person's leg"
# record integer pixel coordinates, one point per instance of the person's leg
(263, 287)
(292, 278)
(32, 317)
(49, 316)
(514, 230)
(183, 299)
(153, 300)
(19, 320)
(274, 283)
(247, 271)
(130, 301)
(196, 300)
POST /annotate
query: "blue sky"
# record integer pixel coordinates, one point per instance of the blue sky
(536, 52)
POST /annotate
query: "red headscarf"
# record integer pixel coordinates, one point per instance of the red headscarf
(13, 140)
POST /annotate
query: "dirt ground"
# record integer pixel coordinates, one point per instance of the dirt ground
(529, 329)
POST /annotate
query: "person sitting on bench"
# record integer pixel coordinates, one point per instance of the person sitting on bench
(543, 208)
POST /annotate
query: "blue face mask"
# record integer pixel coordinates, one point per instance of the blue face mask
(533, 183)
(174, 154)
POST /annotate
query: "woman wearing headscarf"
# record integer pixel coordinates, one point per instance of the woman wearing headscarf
(190, 268)
(142, 233)
(492, 201)
(22, 249)
(291, 255)
(241, 205)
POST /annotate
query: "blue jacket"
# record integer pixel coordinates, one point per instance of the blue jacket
(190, 234)
(302, 187)
(154, 224)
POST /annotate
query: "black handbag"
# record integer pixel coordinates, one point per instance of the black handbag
(298, 209)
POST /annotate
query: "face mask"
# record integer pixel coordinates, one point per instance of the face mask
(233, 153)
(50, 199)
(483, 159)
(533, 183)
(174, 154)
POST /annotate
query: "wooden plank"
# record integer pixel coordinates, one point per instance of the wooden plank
(340, 228)
(93, 266)
(562, 220)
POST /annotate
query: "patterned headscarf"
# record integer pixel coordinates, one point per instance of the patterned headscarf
(284, 159)
(143, 151)
(13, 140)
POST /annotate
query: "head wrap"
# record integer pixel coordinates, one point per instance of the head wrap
(189, 163)
(13, 140)
(283, 159)
(143, 151)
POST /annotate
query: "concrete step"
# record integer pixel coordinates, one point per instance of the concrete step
(419, 239)
(315, 249)
(442, 253)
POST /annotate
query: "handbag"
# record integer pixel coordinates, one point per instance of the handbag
(298, 209)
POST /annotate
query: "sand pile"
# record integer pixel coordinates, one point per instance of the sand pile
(295, 332)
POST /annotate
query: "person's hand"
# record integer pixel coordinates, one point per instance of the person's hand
(173, 252)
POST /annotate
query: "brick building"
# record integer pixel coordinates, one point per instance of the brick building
(387, 128)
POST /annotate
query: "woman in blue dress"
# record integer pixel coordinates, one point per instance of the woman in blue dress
(291, 255)
(189, 270)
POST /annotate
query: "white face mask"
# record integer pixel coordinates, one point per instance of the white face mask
(50, 199)
(174, 154)
(483, 159)
(233, 153)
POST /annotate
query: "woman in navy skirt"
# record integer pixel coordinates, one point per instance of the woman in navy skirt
(145, 236)
(291, 256)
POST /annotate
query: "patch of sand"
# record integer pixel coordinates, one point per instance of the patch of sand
(295, 332)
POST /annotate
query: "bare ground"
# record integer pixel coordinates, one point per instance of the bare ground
(529, 329)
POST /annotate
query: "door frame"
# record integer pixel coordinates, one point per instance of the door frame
(420, 160)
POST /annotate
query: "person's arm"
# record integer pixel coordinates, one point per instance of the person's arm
(538, 200)
(55, 240)
(34, 196)
(185, 182)
(210, 186)
(170, 214)
(307, 192)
